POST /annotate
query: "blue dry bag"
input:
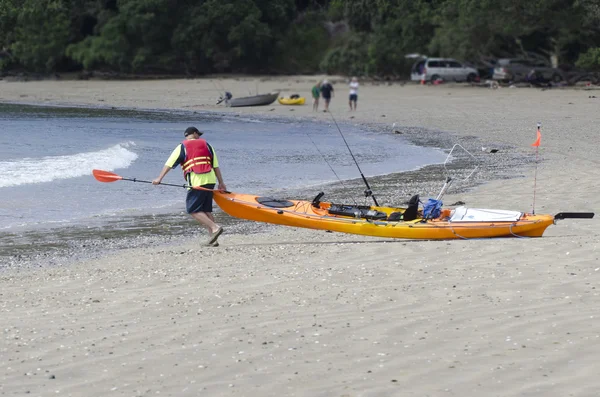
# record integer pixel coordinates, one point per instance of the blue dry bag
(432, 209)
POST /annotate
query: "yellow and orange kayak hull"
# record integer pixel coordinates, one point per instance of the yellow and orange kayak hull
(300, 213)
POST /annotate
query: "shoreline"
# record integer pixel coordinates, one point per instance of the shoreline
(306, 313)
(67, 250)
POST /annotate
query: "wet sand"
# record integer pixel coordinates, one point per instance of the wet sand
(307, 313)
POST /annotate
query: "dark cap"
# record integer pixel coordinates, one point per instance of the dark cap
(191, 130)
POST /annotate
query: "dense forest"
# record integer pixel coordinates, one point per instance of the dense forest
(358, 37)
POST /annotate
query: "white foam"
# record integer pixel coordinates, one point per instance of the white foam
(51, 168)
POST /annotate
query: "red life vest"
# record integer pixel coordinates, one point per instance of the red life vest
(198, 157)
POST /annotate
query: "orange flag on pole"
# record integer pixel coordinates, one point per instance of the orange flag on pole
(539, 137)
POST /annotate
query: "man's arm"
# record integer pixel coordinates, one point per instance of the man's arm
(164, 172)
(220, 179)
(176, 157)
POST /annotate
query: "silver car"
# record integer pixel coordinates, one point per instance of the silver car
(522, 69)
(448, 69)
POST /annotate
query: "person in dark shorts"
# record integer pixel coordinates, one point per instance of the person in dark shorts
(353, 93)
(326, 93)
(200, 167)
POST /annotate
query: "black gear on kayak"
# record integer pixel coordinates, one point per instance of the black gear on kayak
(413, 208)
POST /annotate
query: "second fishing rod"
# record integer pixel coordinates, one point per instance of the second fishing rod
(368, 192)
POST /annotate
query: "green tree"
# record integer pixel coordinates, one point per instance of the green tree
(41, 35)
(349, 57)
(590, 59)
(136, 39)
(8, 21)
(471, 28)
(233, 35)
(545, 29)
(303, 45)
(200, 36)
(186, 36)
(405, 27)
(384, 32)
(361, 15)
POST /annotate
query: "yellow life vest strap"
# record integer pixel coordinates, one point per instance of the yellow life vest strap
(196, 161)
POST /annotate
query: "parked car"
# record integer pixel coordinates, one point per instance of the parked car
(448, 69)
(578, 76)
(484, 65)
(523, 69)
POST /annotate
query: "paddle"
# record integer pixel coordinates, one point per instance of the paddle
(106, 176)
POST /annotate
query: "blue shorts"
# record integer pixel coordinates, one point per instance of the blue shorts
(199, 200)
(353, 97)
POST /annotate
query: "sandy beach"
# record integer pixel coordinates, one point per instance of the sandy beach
(292, 312)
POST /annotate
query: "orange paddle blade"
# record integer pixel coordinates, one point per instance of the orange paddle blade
(105, 176)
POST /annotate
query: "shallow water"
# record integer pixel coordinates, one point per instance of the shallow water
(47, 155)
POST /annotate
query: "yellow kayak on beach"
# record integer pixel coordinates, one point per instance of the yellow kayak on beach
(460, 223)
(291, 101)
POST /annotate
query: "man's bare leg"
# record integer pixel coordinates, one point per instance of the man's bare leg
(206, 220)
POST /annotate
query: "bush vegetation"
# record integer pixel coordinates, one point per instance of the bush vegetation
(354, 37)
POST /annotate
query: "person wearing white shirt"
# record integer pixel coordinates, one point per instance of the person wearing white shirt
(353, 93)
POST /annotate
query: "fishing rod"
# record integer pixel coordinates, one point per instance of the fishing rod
(219, 92)
(330, 167)
(368, 191)
(223, 94)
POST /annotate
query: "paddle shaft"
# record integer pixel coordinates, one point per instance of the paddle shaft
(139, 180)
(172, 184)
(106, 176)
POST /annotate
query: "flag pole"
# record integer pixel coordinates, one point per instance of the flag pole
(537, 147)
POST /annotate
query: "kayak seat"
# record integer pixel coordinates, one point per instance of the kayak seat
(317, 200)
(274, 203)
(357, 211)
(411, 212)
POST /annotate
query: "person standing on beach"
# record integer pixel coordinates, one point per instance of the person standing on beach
(316, 93)
(327, 93)
(200, 167)
(353, 93)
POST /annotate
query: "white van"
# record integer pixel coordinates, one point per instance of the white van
(448, 69)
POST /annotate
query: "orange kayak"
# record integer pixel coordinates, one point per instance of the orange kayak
(459, 223)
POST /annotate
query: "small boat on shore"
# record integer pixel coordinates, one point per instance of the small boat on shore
(255, 100)
(407, 223)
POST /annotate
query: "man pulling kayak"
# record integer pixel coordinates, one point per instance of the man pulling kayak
(200, 167)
